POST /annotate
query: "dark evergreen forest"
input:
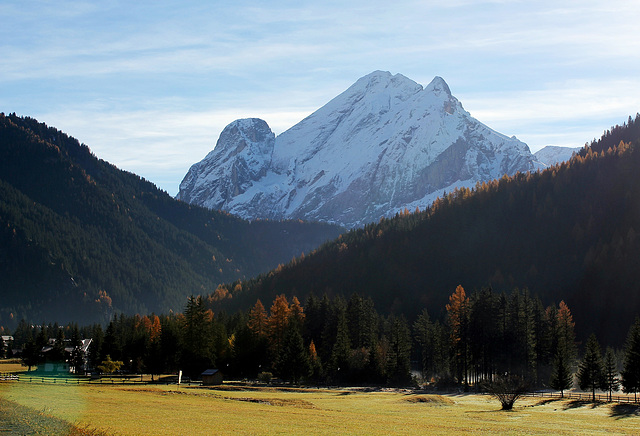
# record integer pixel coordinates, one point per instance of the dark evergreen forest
(483, 337)
(569, 232)
(81, 239)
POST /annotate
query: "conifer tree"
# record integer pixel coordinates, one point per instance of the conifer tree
(258, 319)
(314, 320)
(30, 354)
(315, 364)
(611, 380)
(277, 324)
(198, 351)
(399, 356)
(565, 330)
(296, 313)
(483, 332)
(77, 355)
(423, 334)
(591, 372)
(562, 346)
(631, 371)
(561, 378)
(95, 349)
(522, 333)
(155, 330)
(57, 353)
(341, 349)
(458, 317)
(293, 361)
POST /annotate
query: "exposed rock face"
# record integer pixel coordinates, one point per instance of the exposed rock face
(241, 157)
(383, 145)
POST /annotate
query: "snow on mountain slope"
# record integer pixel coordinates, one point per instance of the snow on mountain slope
(384, 144)
(551, 155)
(241, 156)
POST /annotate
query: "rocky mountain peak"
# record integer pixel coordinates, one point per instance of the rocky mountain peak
(439, 86)
(241, 156)
(384, 144)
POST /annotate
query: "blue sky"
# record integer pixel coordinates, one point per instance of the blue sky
(149, 85)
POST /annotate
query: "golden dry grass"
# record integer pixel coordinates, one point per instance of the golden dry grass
(235, 409)
(11, 365)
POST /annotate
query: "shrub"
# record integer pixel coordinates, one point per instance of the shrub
(265, 377)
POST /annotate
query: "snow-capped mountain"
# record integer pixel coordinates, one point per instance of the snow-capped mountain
(551, 155)
(383, 145)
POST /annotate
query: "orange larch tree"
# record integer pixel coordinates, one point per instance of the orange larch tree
(277, 323)
(458, 317)
(296, 313)
(258, 319)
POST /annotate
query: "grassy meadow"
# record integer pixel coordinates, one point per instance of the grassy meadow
(93, 409)
(170, 410)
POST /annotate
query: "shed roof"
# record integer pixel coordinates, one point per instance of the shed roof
(209, 372)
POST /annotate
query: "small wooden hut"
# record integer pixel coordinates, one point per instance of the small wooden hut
(211, 377)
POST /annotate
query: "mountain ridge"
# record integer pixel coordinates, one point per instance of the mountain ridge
(383, 145)
(82, 239)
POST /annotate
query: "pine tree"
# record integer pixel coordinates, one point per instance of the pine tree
(30, 354)
(631, 371)
(198, 348)
(483, 332)
(293, 361)
(423, 334)
(57, 353)
(399, 357)
(590, 372)
(521, 334)
(314, 320)
(561, 378)
(611, 380)
(341, 351)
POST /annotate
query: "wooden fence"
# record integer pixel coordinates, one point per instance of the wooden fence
(126, 380)
(586, 396)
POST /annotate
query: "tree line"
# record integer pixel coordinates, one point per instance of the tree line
(346, 341)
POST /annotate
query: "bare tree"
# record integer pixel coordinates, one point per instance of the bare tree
(507, 389)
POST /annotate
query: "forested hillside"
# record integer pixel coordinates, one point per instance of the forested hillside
(81, 239)
(568, 233)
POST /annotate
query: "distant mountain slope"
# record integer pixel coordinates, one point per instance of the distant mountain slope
(568, 233)
(551, 155)
(82, 239)
(383, 145)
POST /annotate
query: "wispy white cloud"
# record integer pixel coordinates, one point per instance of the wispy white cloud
(150, 85)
